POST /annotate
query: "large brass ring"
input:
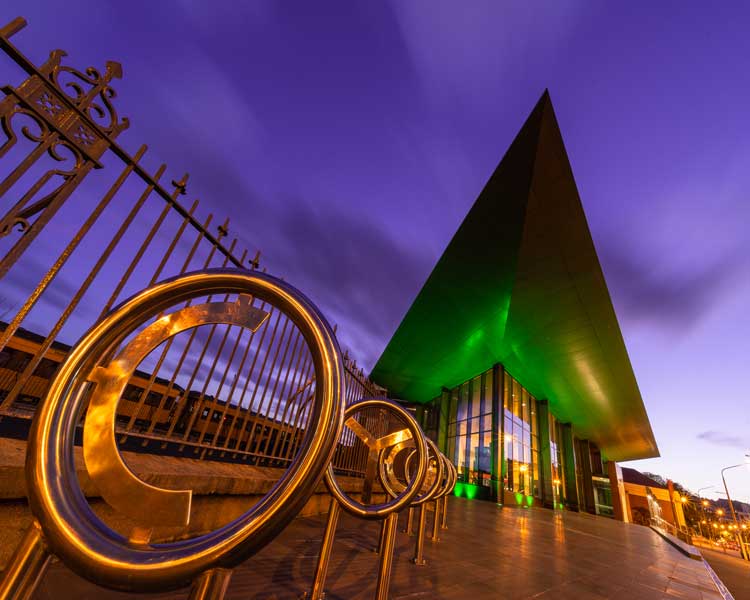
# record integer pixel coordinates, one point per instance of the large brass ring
(76, 534)
(399, 501)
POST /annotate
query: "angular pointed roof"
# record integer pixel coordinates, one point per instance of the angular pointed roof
(520, 284)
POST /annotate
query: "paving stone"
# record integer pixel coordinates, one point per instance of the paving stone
(487, 552)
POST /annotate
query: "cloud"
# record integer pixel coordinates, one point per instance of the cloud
(719, 438)
(674, 300)
(353, 269)
(471, 50)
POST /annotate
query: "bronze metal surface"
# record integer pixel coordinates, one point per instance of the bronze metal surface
(399, 501)
(419, 546)
(75, 534)
(26, 567)
(394, 486)
(120, 488)
(376, 445)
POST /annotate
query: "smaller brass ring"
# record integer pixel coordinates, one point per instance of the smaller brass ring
(388, 479)
(380, 511)
(449, 477)
(431, 492)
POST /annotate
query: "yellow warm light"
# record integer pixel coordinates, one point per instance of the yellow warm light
(715, 526)
(523, 468)
(704, 522)
(719, 512)
(683, 499)
(705, 503)
(556, 482)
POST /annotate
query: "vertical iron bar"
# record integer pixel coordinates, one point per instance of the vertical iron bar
(297, 400)
(265, 414)
(139, 254)
(73, 303)
(142, 400)
(293, 366)
(60, 196)
(238, 407)
(248, 411)
(250, 406)
(62, 259)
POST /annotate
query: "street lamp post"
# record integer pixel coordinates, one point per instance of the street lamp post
(743, 550)
(704, 504)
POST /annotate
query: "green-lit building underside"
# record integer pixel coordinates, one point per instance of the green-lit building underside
(520, 287)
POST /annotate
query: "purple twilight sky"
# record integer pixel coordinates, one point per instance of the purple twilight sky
(347, 140)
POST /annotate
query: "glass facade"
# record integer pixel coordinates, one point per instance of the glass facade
(520, 439)
(470, 429)
(469, 434)
(556, 459)
(499, 456)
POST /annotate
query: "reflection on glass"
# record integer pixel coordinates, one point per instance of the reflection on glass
(470, 429)
(521, 441)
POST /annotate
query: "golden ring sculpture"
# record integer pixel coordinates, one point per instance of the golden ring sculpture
(387, 512)
(65, 524)
(394, 486)
(412, 433)
(441, 500)
(440, 485)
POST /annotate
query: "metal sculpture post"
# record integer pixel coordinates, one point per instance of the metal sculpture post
(441, 504)
(438, 483)
(64, 523)
(386, 512)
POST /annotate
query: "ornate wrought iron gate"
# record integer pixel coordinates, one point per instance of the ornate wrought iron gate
(211, 394)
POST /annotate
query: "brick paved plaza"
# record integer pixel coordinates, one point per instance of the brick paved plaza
(487, 552)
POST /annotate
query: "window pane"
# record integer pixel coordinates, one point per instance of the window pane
(473, 457)
(453, 404)
(517, 398)
(463, 401)
(476, 389)
(525, 405)
(487, 406)
(487, 423)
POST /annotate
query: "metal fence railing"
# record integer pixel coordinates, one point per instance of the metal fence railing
(83, 225)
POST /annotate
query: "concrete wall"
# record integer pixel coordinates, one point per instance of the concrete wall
(221, 492)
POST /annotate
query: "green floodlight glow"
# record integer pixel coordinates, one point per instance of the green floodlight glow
(529, 500)
(519, 498)
(569, 351)
(465, 490)
(475, 338)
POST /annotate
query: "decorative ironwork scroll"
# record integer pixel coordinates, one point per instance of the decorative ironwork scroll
(69, 116)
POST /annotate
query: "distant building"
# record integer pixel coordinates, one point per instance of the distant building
(512, 350)
(638, 488)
